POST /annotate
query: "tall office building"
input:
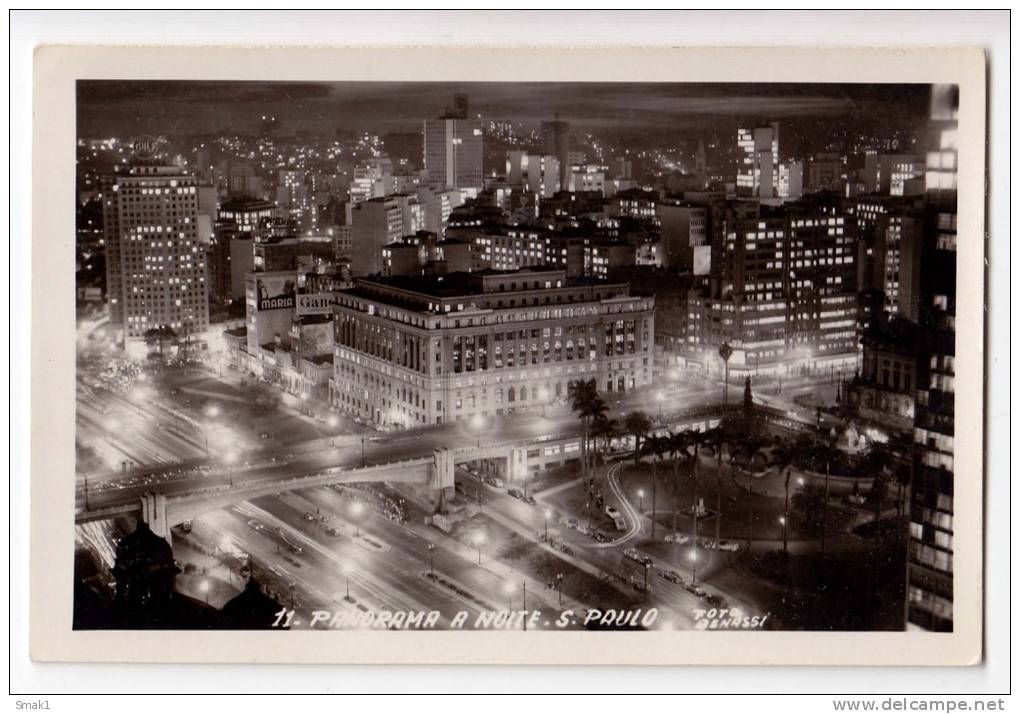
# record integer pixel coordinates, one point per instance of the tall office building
(782, 290)
(453, 150)
(929, 603)
(156, 260)
(375, 223)
(556, 135)
(758, 172)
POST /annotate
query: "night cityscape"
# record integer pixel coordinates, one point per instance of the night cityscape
(531, 356)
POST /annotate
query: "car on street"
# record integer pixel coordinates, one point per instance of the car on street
(308, 516)
(637, 557)
(334, 531)
(715, 601)
(678, 538)
(695, 589)
(613, 512)
(670, 575)
(729, 546)
(855, 499)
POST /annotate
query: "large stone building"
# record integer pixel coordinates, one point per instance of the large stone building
(433, 350)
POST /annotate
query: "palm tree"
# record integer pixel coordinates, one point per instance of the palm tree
(717, 437)
(725, 352)
(602, 428)
(902, 445)
(676, 444)
(745, 450)
(784, 457)
(586, 402)
(826, 451)
(657, 446)
(693, 438)
(638, 424)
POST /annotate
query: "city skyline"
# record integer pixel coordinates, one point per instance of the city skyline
(186, 108)
(599, 375)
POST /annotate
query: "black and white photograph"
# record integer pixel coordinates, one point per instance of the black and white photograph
(510, 367)
(537, 356)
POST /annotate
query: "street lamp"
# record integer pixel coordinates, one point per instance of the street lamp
(658, 398)
(356, 510)
(508, 588)
(203, 587)
(432, 567)
(693, 557)
(478, 423)
(346, 570)
(547, 514)
(648, 567)
(478, 538)
(559, 587)
(212, 411)
(641, 499)
(543, 395)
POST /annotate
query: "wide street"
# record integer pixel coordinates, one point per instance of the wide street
(337, 549)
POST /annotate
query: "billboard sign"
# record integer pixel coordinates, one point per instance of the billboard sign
(315, 304)
(276, 292)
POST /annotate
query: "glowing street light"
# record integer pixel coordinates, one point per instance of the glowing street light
(548, 515)
(477, 424)
(432, 566)
(692, 556)
(212, 411)
(478, 538)
(641, 499)
(332, 421)
(203, 587)
(659, 396)
(357, 508)
(543, 395)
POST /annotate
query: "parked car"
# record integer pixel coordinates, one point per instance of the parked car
(715, 601)
(670, 575)
(678, 538)
(637, 557)
(308, 516)
(613, 512)
(729, 546)
(695, 589)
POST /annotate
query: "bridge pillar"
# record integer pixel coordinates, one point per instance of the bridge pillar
(517, 464)
(154, 514)
(441, 476)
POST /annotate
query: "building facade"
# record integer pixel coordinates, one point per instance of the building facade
(156, 261)
(430, 351)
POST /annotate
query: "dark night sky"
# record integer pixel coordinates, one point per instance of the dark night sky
(107, 108)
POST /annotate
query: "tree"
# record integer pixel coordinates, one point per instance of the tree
(748, 404)
(879, 492)
(718, 437)
(637, 424)
(657, 446)
(784, 457)
(603, 428)
(159, 337)
(725, 352)
(586, 402)
(825, 453)
(810, 501)
(902, 445)
(693, 438)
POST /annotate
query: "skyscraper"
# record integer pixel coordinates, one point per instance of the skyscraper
(156, 262)
(758, 172)
(930, 557)
(556, 135)
(453, 150)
